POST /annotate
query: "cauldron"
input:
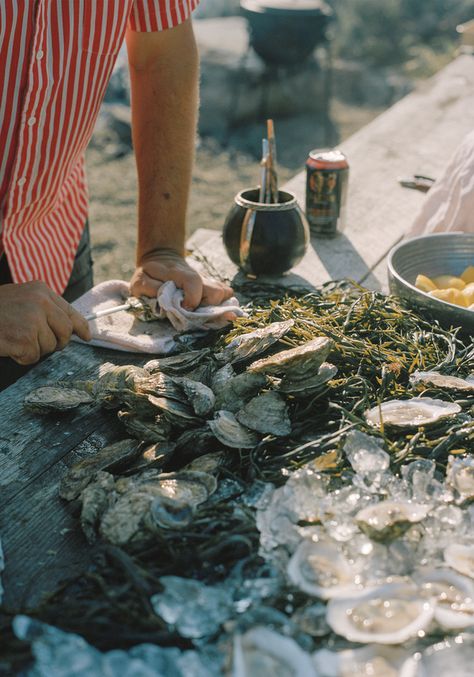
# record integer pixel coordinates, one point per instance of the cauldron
(265, 239)
(286, 32)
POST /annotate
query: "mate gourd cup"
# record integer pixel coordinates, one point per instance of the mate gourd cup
(265, 239)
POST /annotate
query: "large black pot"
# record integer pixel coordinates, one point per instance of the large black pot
(265, 239)
(286, 32)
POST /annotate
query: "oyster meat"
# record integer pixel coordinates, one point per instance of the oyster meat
(231, 433)
(56, 398)
(248, 346)
(111, 458)
(387, 520)
(441, 381)
(389, 614)
(460, 558)
(320, 570)
(266, 653)
(419, 411)
(454, 596)
(267, 414)
(460, 478)
(297, 363)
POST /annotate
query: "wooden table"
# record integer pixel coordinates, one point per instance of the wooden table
(41, 537)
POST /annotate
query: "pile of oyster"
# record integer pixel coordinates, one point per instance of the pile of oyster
(190, 410)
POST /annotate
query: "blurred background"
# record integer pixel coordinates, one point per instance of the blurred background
(321, 70)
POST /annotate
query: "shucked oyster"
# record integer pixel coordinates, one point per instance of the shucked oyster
(320, 570)
(460, 478)
(390, 614)
(296, 363)
(266, 653)
(454, 595)
(388, 520)
(461, 558)
(231, 433)
(56, 398)
(247, 346)
(267, 413)
(442, 381)
(419, 411)
(368, 661)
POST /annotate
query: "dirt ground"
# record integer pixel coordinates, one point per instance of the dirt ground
(219, 173)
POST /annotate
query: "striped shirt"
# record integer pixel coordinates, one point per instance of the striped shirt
(56, 57)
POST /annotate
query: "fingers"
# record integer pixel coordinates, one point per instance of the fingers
(214, 293)
(192, 286)
(25, 352)
(142, 284)
(65, 320)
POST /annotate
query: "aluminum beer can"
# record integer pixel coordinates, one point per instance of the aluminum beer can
(327, 175)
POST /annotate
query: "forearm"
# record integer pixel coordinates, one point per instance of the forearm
(164, 84)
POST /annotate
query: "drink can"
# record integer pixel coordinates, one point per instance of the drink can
(327, 175)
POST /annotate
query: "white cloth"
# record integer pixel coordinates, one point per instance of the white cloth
(124, 331)
(449, 204)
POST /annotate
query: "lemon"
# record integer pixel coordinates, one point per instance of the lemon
(423, 283)
(450, 295)
(468, 293)
(468, 275)
(448, 282)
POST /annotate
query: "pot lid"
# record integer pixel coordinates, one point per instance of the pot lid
(300, 7)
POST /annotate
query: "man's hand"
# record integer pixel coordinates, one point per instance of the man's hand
(163, 265)
(34, 321)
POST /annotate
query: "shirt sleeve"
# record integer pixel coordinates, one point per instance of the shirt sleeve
(148, 16)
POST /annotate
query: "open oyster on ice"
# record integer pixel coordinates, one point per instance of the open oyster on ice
(460, 478)
(368, 661)
(321, 570)
(419, 411)
(389, 614)
(454, 596)
(387, 520)
(460, 558)
(266, 653)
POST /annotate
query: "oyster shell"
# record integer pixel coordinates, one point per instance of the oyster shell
(419, 411)
(155, 430)
(454, 657)
(231, 433)
(178, 364)
(264, 652)
(208, 463)
(174, 497)
(389, 614)
(177, 413)
(154, 456)
(117, 379)
(460, 478)
(200, 397)
(373, 660)
(196, 442)
(460, 558)
(95, 499)
(247, 346)
(387, 520)
(47, 399)
(309, 385)
(454, 595)
(442, 381)
(297, 363)
(320, 570)
(267, 413)
(234, 392)
(111, 458)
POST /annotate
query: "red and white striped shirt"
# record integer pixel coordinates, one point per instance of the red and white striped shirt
(56, 57)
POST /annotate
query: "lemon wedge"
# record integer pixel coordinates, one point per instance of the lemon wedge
(450, 295)
(468, 275)
(423, 283)
(449, 282)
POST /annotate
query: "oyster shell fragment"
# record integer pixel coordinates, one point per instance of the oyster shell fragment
(419, 411)
(387, 520)
(231, 433)
(47, 399)
(389, 614)
(267, 414)
(320, 570)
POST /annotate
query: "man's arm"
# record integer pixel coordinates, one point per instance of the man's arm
(164, 82)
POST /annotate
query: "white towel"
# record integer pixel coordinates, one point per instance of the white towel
(449, 204)
(123, 331)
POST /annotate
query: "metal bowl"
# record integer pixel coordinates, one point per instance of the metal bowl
(432, 255)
